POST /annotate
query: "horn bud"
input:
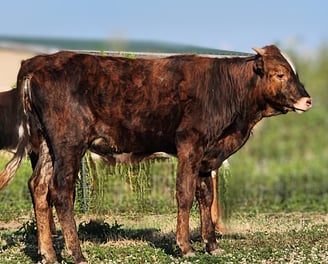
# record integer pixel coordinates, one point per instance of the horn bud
(259, 51)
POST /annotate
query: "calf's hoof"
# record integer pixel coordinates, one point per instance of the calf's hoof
(48, 259)
(189, 254)
(216, 252)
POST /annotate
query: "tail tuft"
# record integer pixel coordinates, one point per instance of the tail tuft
(8, 173)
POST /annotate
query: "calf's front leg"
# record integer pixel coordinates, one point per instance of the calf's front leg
(185, 193)
(64, 184)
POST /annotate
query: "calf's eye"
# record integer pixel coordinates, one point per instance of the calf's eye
(280, 75)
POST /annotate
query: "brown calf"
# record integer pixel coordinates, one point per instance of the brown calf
(200, 109)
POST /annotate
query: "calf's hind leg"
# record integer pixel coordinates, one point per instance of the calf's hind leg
(216, 210)
(39, 188)
(204, 195)
(34, 157)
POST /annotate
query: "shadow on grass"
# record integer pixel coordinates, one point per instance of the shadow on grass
(102, 232)
(27, 236)
(31, 247)
(99, 232)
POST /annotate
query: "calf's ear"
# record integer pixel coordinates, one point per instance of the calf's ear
(259, 64)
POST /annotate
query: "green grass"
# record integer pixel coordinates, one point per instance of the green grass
(258, 238)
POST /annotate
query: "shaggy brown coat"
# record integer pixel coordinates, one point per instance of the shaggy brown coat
(200, 109)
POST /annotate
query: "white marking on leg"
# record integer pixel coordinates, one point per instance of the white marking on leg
(213, 173)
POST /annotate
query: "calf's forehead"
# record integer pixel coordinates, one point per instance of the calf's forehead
(275, 58)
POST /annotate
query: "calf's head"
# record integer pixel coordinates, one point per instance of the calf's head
(279, 83)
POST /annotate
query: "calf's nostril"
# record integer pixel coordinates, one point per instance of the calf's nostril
(309, 102)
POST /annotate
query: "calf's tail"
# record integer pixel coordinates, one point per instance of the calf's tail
(10, 169)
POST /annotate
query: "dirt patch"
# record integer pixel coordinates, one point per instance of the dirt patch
(15, 224)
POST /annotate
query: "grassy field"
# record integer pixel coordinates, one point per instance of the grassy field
(252, 238)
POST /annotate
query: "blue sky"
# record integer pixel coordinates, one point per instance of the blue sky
(231, 24)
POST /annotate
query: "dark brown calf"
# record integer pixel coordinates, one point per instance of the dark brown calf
(9, 120)
(200, 109)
